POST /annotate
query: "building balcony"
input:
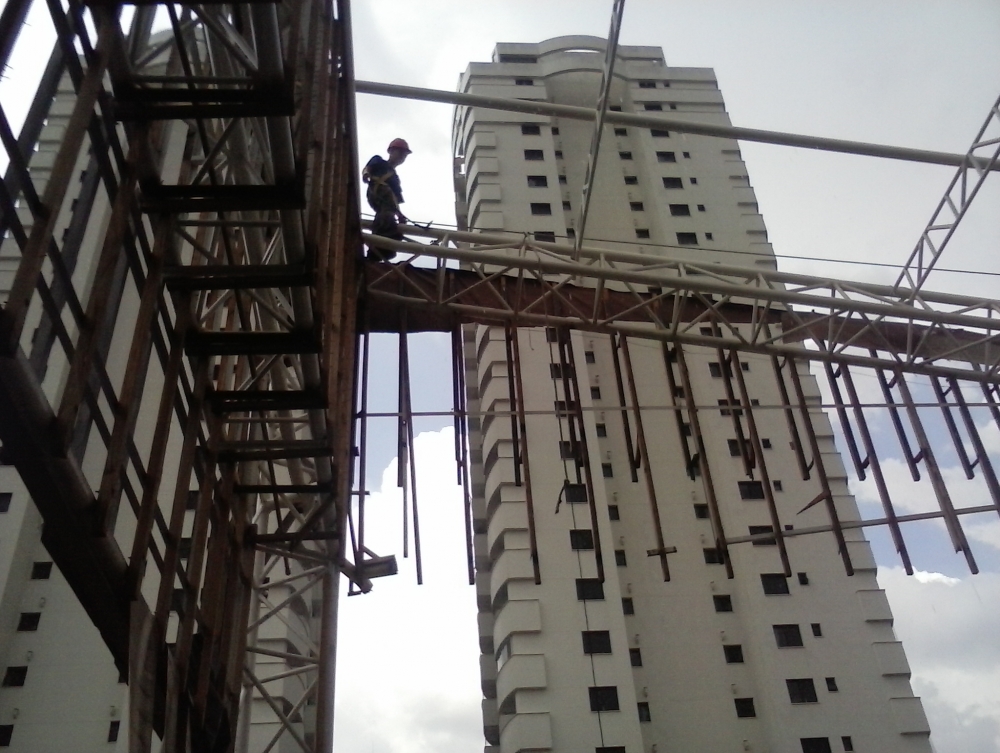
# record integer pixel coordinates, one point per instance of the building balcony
(891, 658)
(517, 617)
(485, 620)
(908, 713)
(527, 732)
(488, 675)
(520, 672)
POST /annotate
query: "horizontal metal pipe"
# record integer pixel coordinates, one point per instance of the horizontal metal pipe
(674, 124)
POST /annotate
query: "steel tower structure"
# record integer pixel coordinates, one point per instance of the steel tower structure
(209, 169)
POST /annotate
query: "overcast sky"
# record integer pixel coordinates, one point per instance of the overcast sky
(916, 74)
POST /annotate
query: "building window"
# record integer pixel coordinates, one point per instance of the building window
(595, 393)
(575, 494)
(765, 443)
(625, 155)
(712, 556)
(751, 489)
(659, 133)
(541, 208)
(551, 336)
(801, 690)
(533, 154)
(831, 684)
(635, 657)
(687, 155)
(7, 732)
(847, 742)
(564, 408)
(644, 715)
(709, 237)
(744, 708)
(562, 180)
(787, 636)
(763, 529)
(815, 745)
(113, 731)
(615, 108)
(567, 449)
(621, 132)
(774, 583)
(631, 180)
(694, 181)
(715, 370)
(732, 444)
(641, 232)
(570, 233)
(41, 570)
(581, 538)
(680, 210)
(614, 513)
(529, 129)
(566, 206)
(14, 677)
(687, 239)
(803, 579)
(647, 84)
(733, 653)
(602, 430)
(652, 106)
(556, 370)
(596, 642)
(636, 206)
(589, 357)
(5, 499)
(620, 558)
(701, 511)
(589, 589)
(524, 81)
(604, 698)
(671, 182)
(555, 131)
(817, 630)
(666, 157)
(723, 603)
(607, 470)
(538, 181)
(701, 207)
(545, 236)
(28, 622)
(610, 749)
(673, 106)
(559, 154)
(628, 606)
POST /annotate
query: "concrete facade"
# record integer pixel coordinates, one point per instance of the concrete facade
(699, 662)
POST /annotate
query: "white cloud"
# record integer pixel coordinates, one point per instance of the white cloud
(948, 627)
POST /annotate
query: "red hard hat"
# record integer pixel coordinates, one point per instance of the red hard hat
(400, 144)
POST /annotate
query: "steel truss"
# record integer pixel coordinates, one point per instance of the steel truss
(220, 152)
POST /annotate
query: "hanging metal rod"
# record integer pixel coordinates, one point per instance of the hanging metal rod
(674, 124)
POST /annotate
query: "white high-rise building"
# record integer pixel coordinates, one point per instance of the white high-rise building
(668, 653)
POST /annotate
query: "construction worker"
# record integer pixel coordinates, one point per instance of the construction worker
(385, 195)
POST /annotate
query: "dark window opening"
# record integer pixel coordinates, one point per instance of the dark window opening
(28, 622)
(680, 210)
(733, 653)
(635, 657)
(604, 698)
(559, 154)
(595, 393)
(614, 513)
(113, 729)
(551, 335)
(589, 589)
(765, 443)
(847, 742)
(801, 690)
(5, 499)
(687, 239)
(621, 132)
(625, 155)
(666, 157)
(652, 106)
(575, 494)
(562, 407)
(732, 444)
(659, 133)
(803, 579)
(631, 180)
(567, 449)
(670, 182)
(709, 237)
(643, 709)
(607, 470)
(817, 630)
(529, 59)
(641, 233)
(41, 570)
(538, 181)
(744, 708)
(529, 129)
(581, 538)
(562, 180)
(701, 511)
(712, 556)
(596, 642)
(534, 154)
(787, 636)
(555, 131)
(620, 558)
(602, 430)
(636, 206)
(7, 732)
(647, 84)
(815, 745)
(566, 206)
(615, 108)
(541, 208)
(687, 155)
(831, 684)
(628, 606)
(694, 181)
(545, 236)
(723, 603)
(763, 529)
(751, 490)
(701, 207)
(524, 81)
(556, 370)
(774, 583)
(610, 749)
(570, 233)
(14, 677)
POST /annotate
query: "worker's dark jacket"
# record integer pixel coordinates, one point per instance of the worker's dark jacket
(384, 196)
